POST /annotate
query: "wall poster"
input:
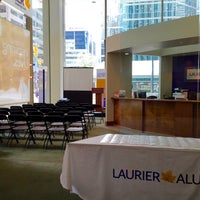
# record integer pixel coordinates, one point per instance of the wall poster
(14, 63)
(192, 73)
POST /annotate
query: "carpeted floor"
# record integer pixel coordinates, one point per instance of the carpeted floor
(34, 173)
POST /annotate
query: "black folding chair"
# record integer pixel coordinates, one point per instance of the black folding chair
(83, 122)
(37, 128)
(56, 130)
(5, 128)
(73, 130)
(19, 127)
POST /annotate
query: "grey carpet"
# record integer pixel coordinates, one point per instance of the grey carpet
(34, 173)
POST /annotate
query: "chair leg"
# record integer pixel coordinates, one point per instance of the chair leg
(84, 134)
(1, 139)
(46, 140)
(12, 136)
(65, 140)
(29, 138)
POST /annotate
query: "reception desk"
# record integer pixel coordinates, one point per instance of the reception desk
(171, 117)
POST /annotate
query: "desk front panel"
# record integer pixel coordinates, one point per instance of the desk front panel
(128, 114)
(171, 117)
(159, 117)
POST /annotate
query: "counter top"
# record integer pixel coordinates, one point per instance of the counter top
(146, 99)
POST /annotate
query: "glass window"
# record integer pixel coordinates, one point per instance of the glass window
(123, 15)
(145, 74)
(84, 34)
(174, 9)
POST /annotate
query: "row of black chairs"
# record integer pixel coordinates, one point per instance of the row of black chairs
(35, 125)
(91, 111)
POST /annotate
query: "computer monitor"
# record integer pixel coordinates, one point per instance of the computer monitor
(142, 95)
(193, 95)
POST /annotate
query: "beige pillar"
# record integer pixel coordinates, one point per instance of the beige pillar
(165, 76)
(118, 77)
(54, 50)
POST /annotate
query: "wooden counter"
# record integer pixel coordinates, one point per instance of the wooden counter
(172, 117)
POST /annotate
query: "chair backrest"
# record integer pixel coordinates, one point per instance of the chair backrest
(73, 118)
(27, 109)
(35, 118)
(4, 112)
(4, 108)
(63, 109)
(76, 112)
(56, 113)
(13, 111)
(18, 120)
(3, 117)
(46, 110)
(27, 106)
(54, 118)
(4, 123)
(50, 105)
(34, 113)
(39, 105)
(16, 107)
(17, 117)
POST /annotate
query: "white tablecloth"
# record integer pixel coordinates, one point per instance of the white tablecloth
(133, 167)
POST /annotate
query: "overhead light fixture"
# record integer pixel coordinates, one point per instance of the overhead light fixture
(126, 53)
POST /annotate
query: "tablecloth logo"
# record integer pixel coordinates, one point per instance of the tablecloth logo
(154, 176)
(168, 176)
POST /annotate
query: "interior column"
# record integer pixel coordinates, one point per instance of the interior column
(119, 77)
(54, 51)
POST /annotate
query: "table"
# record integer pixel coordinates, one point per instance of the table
(135, 167)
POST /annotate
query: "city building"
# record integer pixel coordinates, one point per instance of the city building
(80, 49)
(133, 14)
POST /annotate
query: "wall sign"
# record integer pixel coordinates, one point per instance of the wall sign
(15, 64)
(192, 73)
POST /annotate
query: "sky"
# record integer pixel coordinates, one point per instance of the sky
(144, 67)
(83, 15)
